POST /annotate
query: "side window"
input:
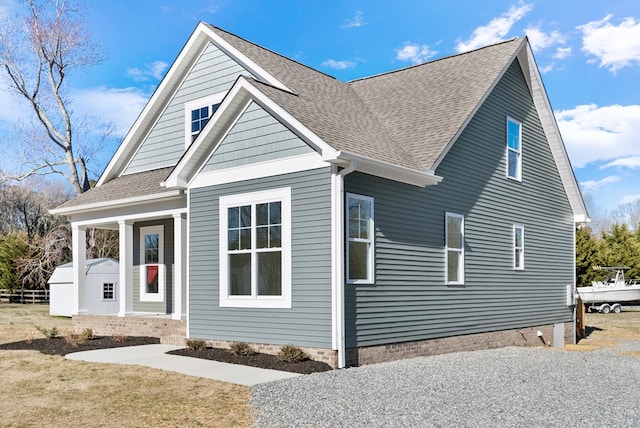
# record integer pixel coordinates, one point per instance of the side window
(197, 113)
(360, 239)
(108, 291)
(255, 249)
(152, 264)
(514, 149)
(518, 247)
(454, 248)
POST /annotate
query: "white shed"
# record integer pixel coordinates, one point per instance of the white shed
(101, 292)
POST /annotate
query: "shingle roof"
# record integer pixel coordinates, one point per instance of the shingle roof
(406, 117)
(121, 188)
(424, 106)
(328, 107)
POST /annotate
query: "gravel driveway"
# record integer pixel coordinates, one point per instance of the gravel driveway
(501, 387)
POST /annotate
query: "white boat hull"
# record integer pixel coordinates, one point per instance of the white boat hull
(627, 293)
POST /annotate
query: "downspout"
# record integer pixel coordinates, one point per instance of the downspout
(339, 280)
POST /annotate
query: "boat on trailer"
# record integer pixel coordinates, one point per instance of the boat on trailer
(608, 295)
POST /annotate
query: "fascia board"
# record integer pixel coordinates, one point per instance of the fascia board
(254, 69)
(386, 169)
(552, 132)
(158, 101)
(99, 206)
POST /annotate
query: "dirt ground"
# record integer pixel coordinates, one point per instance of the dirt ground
(49, 390)
(608, 330)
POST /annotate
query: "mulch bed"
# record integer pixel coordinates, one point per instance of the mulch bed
(264, 361)
(64, 346)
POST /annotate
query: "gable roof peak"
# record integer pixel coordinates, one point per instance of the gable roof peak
(219, 30)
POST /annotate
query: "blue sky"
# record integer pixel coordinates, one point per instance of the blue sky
(588, 52)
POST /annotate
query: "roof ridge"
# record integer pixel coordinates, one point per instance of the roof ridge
(409, 67)
(270, 51)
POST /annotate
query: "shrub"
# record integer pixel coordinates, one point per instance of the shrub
(292, 354)
(242, 349)
(74, 340)
(118, 338)
(86, 334)
(196, 344)
(49, 333)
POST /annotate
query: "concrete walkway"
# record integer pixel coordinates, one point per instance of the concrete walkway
(155, 356)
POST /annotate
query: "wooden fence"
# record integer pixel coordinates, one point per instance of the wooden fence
(26, 296)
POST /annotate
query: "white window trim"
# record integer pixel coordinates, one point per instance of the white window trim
(115, 292)
(283, 196)
(189, 106)
(159, 296)
(447, 249)
(518, 176)
(515, 261)
(371, 241)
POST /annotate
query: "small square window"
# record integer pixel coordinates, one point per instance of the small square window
(108, 291)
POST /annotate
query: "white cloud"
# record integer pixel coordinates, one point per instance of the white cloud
(562, 53)
(154, 70)
(540, 40)
(417, 54)
(628, 199)
(119, 107)
(628, 162)
(593, 133)
(495, 30)
(592, 185)
(338, 65)
(356, 22)
(615, 46)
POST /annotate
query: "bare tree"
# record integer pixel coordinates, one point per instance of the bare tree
(38, 51)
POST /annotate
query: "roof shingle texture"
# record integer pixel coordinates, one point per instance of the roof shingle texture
(406, 117)
(123, 187)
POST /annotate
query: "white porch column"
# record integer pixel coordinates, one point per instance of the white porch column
(125, 281)
(79, 254)
(180, 268)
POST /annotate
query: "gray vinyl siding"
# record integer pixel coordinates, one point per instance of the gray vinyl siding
(214, 72)
(308, 322)
(410, 299)
(165, 307)
(256, 137)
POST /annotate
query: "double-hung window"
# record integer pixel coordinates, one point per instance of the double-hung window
(360, 237)
(454, 248)
(514, 149)
(255, 249)
(518, 247)
(197, 113)
(152, 264)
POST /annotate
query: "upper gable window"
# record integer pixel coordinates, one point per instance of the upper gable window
(197, 114)
(514, 149)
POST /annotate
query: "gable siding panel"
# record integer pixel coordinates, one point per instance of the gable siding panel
(410, 300)
(255, 137)
(213, 72)
(308, 322)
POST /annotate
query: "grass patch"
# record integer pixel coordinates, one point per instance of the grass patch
(38, 387)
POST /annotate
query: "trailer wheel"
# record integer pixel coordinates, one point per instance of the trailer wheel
(616, 309)
(605, 309)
